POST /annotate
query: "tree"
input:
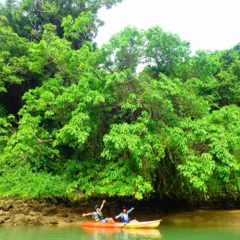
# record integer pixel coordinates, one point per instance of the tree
(27, 17)
(165, 51)
(228, 77)
(139, 117)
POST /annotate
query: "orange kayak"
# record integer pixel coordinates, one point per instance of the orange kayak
(133, 224)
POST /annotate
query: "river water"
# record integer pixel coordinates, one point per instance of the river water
(164, 232)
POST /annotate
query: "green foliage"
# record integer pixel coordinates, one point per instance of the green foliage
(124, 51)
(228, 77)
(113, 179)
(75, 30)
(27, 17)
(165, 50)
(139, 117)
(12, 56)
(22, 182)
(211, 158)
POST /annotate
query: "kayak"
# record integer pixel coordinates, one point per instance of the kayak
(133, 224)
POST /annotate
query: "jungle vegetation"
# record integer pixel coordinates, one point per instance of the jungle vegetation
(141, 116)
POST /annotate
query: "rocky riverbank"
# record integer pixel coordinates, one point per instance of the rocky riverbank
(15, 212)
(204, 218)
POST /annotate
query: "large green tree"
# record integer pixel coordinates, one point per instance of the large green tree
(139, 117)
(27, 17)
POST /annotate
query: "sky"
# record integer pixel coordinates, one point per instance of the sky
(206, 24)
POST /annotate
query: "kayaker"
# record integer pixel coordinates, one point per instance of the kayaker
(97, 214)
(124, 218)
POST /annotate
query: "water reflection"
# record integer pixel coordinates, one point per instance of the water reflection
(77, 233)
(124, 234)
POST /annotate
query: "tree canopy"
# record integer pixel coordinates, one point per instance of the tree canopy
(139, 117)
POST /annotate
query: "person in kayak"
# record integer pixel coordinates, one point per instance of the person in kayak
(97, 214)
(124, 218)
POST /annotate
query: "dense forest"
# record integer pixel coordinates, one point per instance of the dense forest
(141, 116)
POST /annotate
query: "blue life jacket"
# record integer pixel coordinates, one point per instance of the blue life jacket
(97, 216)
(124, 219)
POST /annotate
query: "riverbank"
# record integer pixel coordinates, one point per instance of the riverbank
(204, 218)
(19, 212)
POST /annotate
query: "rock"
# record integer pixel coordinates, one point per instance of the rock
(53, 221)
(69, 220)
(19, 202)
(65, 215)
(49, 211)
(26, 210)
(37, 208)
(1, 221)
(20, 219)
(35, 222)
(6, 218)
(9, 221)
(32, 213)
(5, 206)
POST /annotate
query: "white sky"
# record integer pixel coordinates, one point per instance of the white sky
(206, 24)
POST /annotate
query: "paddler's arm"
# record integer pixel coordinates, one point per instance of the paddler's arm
(87, 214)
(102, 204)
(130, 210)
(118, 216)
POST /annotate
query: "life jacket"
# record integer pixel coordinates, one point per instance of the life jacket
(97, 216)
(124, 218)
